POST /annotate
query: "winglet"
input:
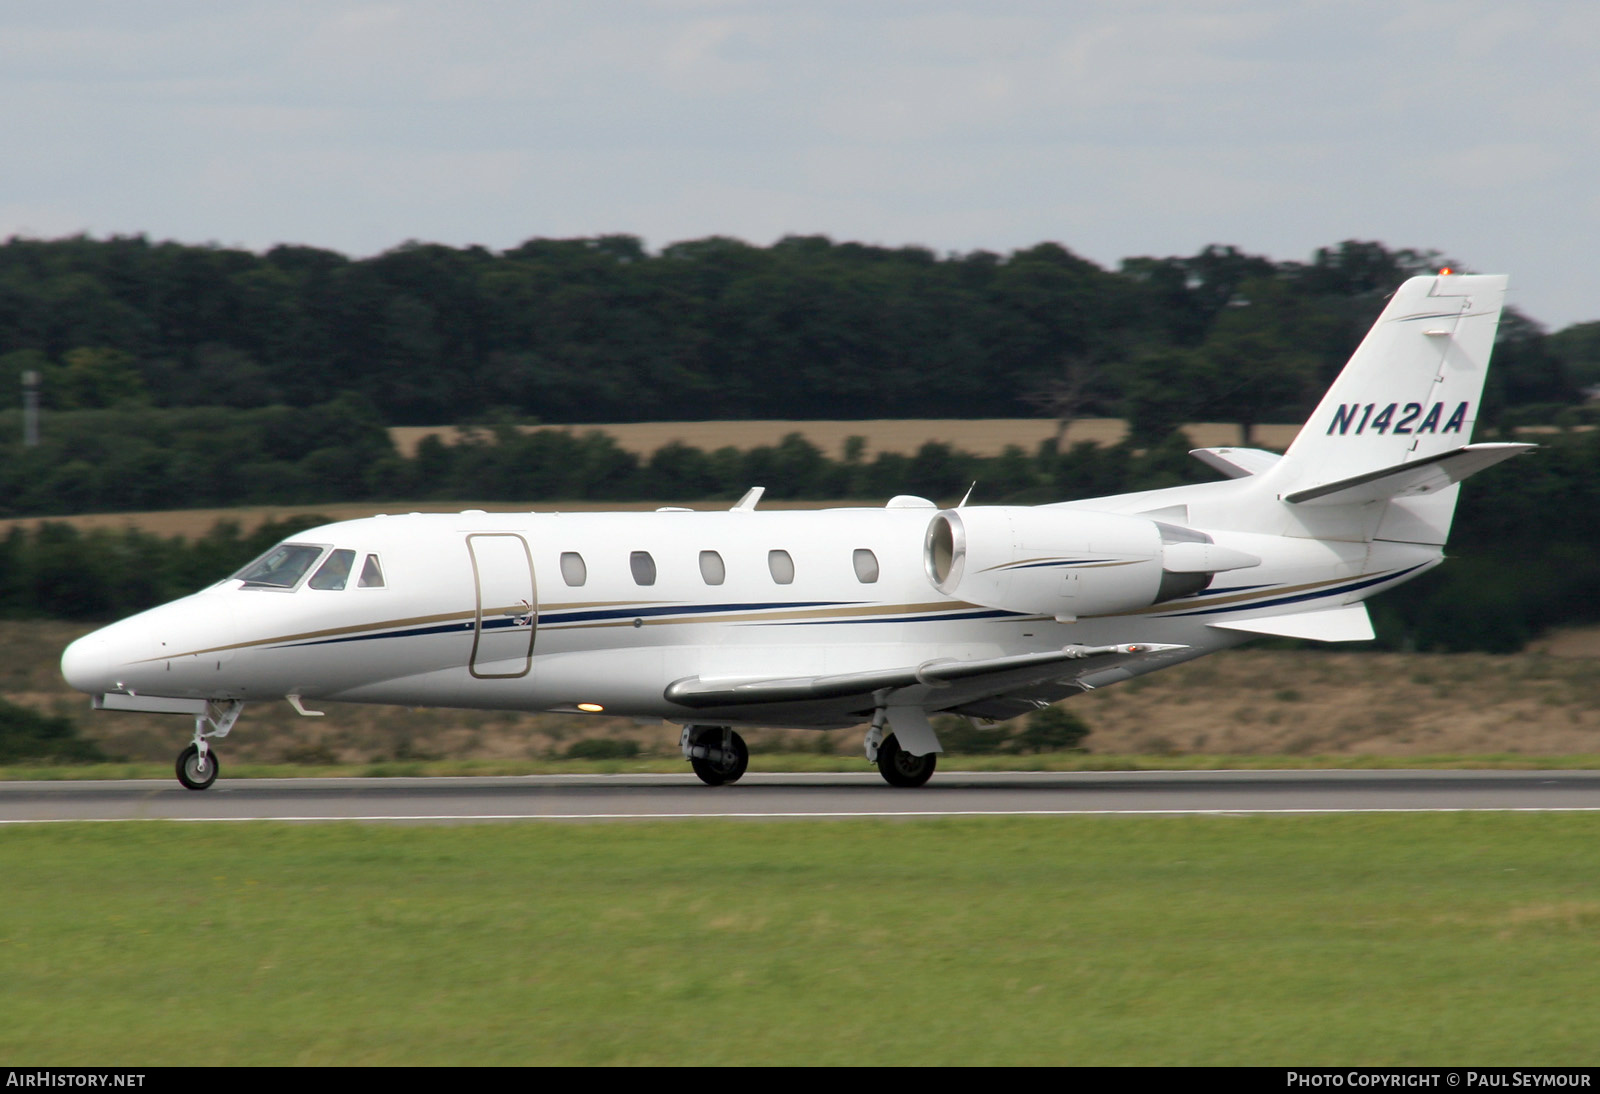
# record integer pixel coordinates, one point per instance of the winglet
(747, 504)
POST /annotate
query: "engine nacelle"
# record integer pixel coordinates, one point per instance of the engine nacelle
(1068, 562)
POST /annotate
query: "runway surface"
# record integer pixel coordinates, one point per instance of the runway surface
(798, 796)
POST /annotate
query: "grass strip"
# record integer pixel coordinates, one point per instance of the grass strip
(1371, 939)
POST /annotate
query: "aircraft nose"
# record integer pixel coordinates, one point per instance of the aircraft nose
(98, 661)
(85, 662)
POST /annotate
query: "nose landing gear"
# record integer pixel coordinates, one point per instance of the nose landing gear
(197, 765)
(196, 769)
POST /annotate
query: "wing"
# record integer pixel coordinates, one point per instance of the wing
(865, 690)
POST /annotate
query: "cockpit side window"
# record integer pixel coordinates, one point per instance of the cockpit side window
(335, 572)
(371, 574)
(280, 568)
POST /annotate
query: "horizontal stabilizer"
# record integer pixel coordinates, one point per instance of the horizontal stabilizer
(1236, 463)
(1422, 476)
(1347, 624)
(697, 692)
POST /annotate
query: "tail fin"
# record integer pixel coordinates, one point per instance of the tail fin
(1409, 393)
(1412, 388)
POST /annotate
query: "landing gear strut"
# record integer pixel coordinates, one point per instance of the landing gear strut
(717, 754)
(197, 765)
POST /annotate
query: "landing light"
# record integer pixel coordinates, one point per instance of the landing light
(591, 708)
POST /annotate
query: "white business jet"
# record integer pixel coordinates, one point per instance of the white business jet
(832, 618)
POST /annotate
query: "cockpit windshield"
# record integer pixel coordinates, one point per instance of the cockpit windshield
(280, 568)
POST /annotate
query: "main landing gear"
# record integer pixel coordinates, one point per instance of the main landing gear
(897, 766)
(717, 754)
(197, 765)
(900, 768)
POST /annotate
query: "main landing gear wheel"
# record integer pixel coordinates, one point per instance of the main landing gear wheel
(190, 772)
(899, 768)
(720, 756)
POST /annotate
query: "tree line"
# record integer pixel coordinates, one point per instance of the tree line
(602, 329)
(182, 376)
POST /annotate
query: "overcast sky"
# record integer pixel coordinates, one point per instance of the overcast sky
(1119, 128)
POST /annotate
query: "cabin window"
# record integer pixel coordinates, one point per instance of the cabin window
(280, 568)
(866, 564)
(335, 572)
(712, 568)
(573, 570)
(782, 567)
(643, 567)
(371, 574)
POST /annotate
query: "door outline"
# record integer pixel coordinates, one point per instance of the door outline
(529, 608)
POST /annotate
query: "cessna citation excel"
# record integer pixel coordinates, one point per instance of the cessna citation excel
(824, 619)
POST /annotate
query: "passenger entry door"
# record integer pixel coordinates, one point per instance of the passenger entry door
(507, 609)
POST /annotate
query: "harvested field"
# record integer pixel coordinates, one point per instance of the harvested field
(981, 436)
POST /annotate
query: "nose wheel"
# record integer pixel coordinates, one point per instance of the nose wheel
(197, 764)
(197, 770)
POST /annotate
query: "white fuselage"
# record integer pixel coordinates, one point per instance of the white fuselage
(605, 611)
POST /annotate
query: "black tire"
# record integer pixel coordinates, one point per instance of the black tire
(189, 773)
(730, 768)
(899, 768)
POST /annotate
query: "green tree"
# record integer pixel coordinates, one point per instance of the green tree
(91, 377)
(1163, 390)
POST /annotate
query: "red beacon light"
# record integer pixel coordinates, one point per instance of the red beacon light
(1445, 271)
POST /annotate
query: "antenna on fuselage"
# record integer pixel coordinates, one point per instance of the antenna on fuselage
(747, 504)
(962, 504)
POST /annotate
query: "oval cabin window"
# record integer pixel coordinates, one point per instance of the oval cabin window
(712, 568)
(573, 570)
(643, 567)
(782, 567)
(866, 564)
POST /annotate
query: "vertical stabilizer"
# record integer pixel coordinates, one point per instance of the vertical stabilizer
(1410, 392)
(1412, 388)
